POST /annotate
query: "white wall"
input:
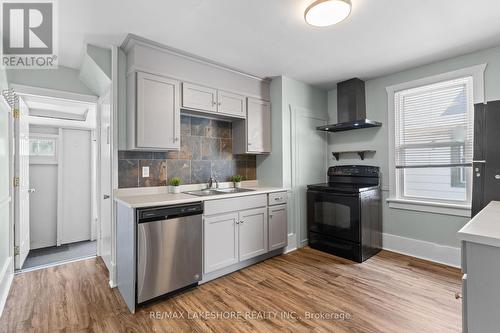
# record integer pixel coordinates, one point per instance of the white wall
(434, 228)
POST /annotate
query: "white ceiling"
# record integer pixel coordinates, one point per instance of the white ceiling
(270, 38)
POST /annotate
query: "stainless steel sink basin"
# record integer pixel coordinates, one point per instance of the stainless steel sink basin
(207, 192)
(234, 190)
(203, 193)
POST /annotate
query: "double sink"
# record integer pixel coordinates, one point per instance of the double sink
(207, 192)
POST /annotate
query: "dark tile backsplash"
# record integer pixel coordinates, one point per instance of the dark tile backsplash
(206, 150)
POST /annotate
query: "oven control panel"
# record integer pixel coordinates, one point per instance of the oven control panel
(354, 171)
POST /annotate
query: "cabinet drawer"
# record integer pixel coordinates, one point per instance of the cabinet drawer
(277, 198)
(235, 204)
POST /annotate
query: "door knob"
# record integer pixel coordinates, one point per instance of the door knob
(497, 177)
(106, 196)
(31, 190)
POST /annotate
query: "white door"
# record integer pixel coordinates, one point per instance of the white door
(309, 166)
(76, 193)
(199, 97)
(232, 104)
(258, 126)
(106, 205)
(158, 112)
(22, 192)
(253, 233)
(221, 241)
(278, 235)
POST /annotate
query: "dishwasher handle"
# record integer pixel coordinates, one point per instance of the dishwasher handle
(169, 212)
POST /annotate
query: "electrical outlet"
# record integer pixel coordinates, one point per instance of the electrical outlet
(145, 172)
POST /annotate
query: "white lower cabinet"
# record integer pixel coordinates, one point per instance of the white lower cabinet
(233, 237)
(253, 233)
(221, 241)
(278, 227)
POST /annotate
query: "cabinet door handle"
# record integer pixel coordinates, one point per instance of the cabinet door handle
(242, 221)
(176, 139)
(458, 295)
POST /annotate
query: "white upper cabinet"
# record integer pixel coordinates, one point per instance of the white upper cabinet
(199, 97)
(153, 112)
(253, 233)
(231, 104)
(254, 135)
(259, 126)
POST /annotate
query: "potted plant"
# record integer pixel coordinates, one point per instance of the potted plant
(174, 185)
(236, 180)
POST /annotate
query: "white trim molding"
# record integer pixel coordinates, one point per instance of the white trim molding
(442, 254)
(430, 207)
(477, 73)
(21, 89)
(6, 277)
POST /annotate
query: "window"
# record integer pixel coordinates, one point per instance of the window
(432, 142)
(43, 149)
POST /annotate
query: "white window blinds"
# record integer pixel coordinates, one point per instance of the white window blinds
(434, 125)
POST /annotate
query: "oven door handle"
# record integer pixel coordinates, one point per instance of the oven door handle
(347, 195)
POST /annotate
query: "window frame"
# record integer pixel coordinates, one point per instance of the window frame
(45, 159)
(395, 200)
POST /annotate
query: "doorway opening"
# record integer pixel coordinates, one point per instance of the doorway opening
(56, 158)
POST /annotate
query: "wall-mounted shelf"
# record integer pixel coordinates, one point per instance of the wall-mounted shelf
(361, 153)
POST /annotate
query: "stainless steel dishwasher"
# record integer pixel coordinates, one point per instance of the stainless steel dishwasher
(169, 249)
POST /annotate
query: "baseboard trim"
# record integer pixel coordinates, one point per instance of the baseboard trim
(442, 254)
(6, 277)
(112, 276)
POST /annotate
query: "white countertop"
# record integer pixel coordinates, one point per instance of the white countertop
(163, 199)
(484, 228)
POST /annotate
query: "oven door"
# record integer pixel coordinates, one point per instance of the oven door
(333, 214)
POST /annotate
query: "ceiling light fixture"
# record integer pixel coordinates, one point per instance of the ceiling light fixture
(322, 13)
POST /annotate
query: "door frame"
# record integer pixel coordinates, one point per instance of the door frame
(19, 212)
(24, 90)
(295, 212)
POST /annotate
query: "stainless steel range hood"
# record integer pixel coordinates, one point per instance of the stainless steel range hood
(351, 108)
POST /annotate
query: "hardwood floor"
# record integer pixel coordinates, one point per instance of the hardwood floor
(387, 293)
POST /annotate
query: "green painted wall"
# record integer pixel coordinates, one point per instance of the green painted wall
(436, 228)
(275, 169)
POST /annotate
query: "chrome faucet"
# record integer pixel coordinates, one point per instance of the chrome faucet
(211, 182)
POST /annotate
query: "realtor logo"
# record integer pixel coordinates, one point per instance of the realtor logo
(28, 34)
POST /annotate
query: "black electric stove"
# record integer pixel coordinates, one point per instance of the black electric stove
(344, 215)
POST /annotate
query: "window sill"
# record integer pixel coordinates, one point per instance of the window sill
(430, 207)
